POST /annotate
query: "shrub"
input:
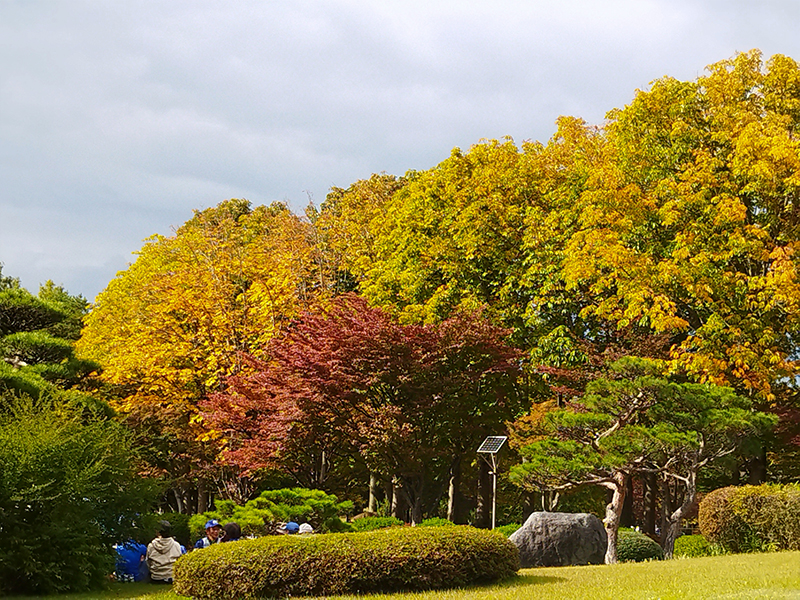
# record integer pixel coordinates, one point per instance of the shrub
(692, 546)
(437, 522)
(633, 546)
(752, 518)
(254, 519)
(717, 521)
(260, 516)
(373, 523)
(398, 558)
(507, 530)
(68, 492)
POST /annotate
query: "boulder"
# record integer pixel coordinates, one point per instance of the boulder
(550, 539)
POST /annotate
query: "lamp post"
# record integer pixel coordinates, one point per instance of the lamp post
(491, 446)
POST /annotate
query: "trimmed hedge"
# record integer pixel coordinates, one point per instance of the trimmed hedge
(507, 530)
(752, 518)
(437, 522)
(691, 546)
(373, 523)
(398, 558)
(633, 546)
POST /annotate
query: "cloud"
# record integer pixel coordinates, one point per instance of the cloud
(117, 119)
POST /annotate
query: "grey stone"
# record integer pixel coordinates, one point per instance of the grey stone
(558, 539)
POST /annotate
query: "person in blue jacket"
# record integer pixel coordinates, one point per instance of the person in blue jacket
(130, 561)
(213, 529)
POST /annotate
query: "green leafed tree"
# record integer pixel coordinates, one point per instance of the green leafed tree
(37, 334)
(638, 421)
(169, 329)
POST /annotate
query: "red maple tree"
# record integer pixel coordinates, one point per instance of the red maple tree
(351, 382)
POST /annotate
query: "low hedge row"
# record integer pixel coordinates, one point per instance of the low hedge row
(752, 517)
(373, 523)
(398, 558)
(693, 546)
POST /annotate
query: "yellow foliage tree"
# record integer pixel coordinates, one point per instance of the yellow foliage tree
(169, 329)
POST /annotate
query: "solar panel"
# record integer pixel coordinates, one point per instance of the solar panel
(492, 444)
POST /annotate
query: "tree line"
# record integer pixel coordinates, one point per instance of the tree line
(622, 300)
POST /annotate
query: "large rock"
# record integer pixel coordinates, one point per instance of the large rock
(558, 539)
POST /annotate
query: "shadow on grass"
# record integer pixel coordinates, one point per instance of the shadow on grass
(113, 591)
(528, 579)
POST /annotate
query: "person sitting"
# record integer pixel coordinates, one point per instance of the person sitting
(231, 532)
(289, 528)
(305, 528)
(130, 560)
(162, 553)
(213, 530)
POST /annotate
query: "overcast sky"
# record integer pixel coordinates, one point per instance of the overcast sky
(119, 118)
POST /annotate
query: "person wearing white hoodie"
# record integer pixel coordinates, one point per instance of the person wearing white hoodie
(162, 554)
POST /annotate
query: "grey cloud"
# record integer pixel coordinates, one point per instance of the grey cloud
(118, 118)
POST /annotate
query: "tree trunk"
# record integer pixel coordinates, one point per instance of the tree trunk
(676, 517)
(529, 505)
(452, 490)
(373, 499)
(178, 500)
(550, 500)
(416, 510)
(757, 467)
(613, 514)
(650, 486)
(483, 511)
(202, 496)
(388, 494)
(666, 508)
(626, 518)
(399, 506)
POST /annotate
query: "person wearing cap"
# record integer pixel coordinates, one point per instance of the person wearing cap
(162, 553)
(290, 528)
(213, 530)
(305, 528)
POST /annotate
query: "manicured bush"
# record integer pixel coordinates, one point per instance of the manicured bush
(507, 530)
(261, 515)
(692, 546)
(752, 518)
(437, 522)
(373, 523)
(397, 558)
(633, 546)
(717, 521)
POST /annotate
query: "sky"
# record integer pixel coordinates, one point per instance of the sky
(118, 119)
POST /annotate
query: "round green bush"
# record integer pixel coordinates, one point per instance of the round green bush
(692, 546)
(633, 546)
(373, 523)
(752, 518)
(397, 558)
(717, 521)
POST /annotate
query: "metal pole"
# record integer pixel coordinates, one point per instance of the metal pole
(494, 489)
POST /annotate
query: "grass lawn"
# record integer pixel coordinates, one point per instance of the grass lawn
(775, 575)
